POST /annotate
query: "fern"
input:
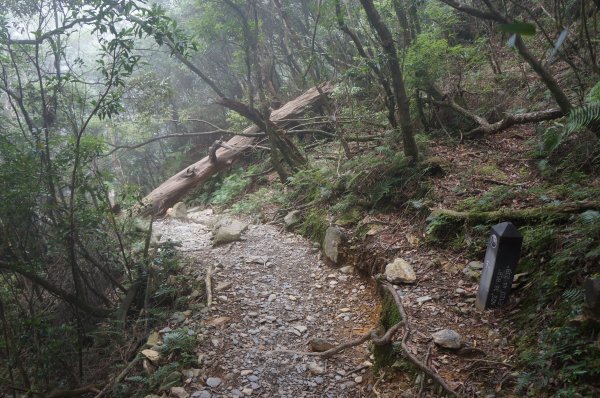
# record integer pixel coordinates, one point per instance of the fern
(583, 116)
(573, 296)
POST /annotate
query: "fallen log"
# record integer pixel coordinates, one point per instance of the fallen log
(559, 211)
(172, 190)
(441, 221)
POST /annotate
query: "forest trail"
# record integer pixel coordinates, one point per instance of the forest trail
(272, 293)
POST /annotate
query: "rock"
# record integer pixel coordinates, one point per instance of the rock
(246, 372)
(178, 317)
(332, 243)
(301, 328)
(204, 217)
(228, 230)
(213, 382)
(473, 270)
(348, 270)
(222, 286)
(358, 379)
(400, 271)
(447, 338)
(179, 392)
(178, 211)
(314, 368)
(153, 356)
(202, 394)
(421, 300)
(220, 321)
(153, 339)
(320, 345)
(247, 391)
(292, 218)
(591, 288)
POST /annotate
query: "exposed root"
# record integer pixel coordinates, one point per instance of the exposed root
(208, 281)
(383, 340)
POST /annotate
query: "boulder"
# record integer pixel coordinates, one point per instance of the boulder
(178, 211)
(447, 338)
(331, 244)
(400, 271)
(292, 218)
(205, 217)
(228, 230)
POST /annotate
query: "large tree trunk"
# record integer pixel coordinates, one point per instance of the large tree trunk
(176, 187)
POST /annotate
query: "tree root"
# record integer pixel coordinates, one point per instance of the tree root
(208, 281)
(383, 340)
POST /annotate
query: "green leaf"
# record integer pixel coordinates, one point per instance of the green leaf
(519, 28)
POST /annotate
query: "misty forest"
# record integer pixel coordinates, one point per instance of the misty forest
(299, 198)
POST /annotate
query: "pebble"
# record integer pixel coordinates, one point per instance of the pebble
(247, 391)
(315, 368)
(447, 338)
(213, 382)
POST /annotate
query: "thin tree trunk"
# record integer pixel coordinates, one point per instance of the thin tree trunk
(402, 101)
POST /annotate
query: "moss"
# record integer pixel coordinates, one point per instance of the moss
(385, 355)
(314, 225)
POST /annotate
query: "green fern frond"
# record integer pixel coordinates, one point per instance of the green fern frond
(582, 116)
(590, 217)
(573, 296)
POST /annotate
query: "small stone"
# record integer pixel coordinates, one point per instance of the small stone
(447, 338)
(301, 328)
(213, 382)
(473, 270)
(320, 345)
(220, 321)
(348, 270)
(178, 317)
(246, 372)
(153, 339)
(292, 218)
(400, 271)
(153, 356)
(314, 368)
(421, 300)
(319, 380)
(179, 392)
(221, 286)
(247, 391)
(358, 379)
(253, 378)
(202, 394)
(271, 298)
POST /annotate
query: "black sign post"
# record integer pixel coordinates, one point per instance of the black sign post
(499, 266)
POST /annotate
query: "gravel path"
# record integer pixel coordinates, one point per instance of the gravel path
(272, 293)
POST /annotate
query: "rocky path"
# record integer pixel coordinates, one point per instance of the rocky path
(272, 295)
